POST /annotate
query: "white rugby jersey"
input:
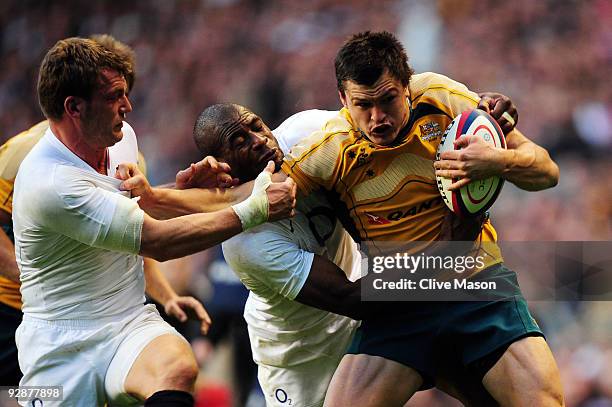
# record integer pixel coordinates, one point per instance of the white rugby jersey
(76, 235)
(273, 261)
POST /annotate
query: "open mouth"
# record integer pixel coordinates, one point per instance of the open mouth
(118, 127)
(381, 130)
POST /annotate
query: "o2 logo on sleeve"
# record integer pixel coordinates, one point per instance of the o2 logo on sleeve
(281, 396)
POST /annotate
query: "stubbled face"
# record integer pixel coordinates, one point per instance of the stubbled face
(380, 110)
(103, 116)
(248, 145)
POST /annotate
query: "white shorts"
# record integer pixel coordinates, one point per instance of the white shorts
(302, 385)
(90, 359)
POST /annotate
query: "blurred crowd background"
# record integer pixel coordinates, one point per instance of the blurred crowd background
(552, 57)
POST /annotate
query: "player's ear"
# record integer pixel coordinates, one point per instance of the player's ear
(343, 98)
(73, 106)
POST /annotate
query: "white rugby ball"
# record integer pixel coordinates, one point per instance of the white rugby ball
(477, 196)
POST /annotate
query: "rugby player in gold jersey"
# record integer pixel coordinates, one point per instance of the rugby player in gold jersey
(377, 160)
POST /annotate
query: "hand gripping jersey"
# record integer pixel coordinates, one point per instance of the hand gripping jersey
(388, 193)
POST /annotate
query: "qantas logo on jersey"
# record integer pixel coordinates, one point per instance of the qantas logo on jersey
(376, 220)
(397, 215)
(430, 131)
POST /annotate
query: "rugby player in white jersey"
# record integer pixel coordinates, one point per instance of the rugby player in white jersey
(78, 240)
(296, 347)
(11, 154)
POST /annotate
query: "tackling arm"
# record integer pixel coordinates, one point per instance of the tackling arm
(327, 288)
(178, 237)
(168, 239)
(165, 203)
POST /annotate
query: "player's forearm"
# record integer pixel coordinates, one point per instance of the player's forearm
(165, 203)
(173, 238)
(328, 288)
(528, 166)
(157, 286)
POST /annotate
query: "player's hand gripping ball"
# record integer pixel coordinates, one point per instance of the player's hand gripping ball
(477, 196)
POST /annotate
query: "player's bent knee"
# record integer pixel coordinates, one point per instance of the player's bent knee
(180, 374)
(166, 363)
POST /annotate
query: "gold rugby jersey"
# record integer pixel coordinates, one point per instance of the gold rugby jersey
(12, 154)
(388, 193)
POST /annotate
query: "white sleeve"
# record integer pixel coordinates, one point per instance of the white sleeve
(75, 207)
(301, 125)
(270, 258)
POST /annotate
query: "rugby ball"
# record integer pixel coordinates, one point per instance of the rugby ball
(477, 196)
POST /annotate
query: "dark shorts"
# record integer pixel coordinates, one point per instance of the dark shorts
(10, 318)
(461, 337)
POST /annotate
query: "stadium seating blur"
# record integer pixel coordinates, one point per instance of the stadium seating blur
(553, 58)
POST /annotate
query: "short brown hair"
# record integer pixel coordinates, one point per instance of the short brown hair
(364, 57)
(123, 50)
(72, 68)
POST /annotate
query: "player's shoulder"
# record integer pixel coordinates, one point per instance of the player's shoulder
(326, 143)
(301, 125)
(13, 152)
(431, 84)
(306, 118)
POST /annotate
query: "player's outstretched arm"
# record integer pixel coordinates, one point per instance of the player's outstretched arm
(328, 288)
(167, 203)
(178, 237)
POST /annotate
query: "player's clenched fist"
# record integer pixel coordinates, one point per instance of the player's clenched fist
(133, 180)
(281, 199)
(501, 108)
(269, 200)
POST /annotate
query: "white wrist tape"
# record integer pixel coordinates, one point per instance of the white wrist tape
(253, 211)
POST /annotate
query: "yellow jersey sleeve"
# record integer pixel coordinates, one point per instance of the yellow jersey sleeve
(316, 161)
(12, 154)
